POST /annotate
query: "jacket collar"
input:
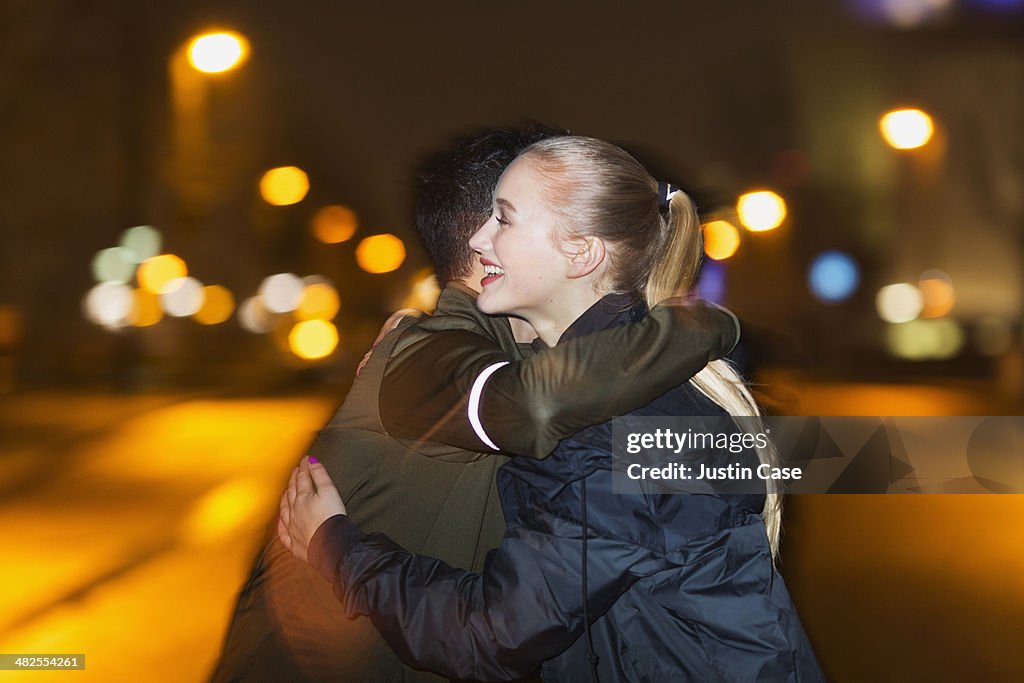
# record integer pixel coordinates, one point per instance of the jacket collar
(459, 301)
(612, 310)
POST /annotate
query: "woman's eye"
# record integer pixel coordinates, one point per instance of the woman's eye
(500, 220)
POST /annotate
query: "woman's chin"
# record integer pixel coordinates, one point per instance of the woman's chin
(490, 304)
(484, 303)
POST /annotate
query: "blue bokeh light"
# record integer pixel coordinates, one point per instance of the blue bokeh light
(1009, 5)
(833, 277)
(711, 284)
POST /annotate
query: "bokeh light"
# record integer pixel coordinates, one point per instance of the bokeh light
(281, 293)
(313, 339)
(218, 305)
(284, 185)
(721, 239)
(924, 339)
(146, 308)
(142, 242)
(711, 282)
(906, 128)
(254, 317)
(319, 301)
(937, 294)
(761, 210)
(155, 272)
(833, 277)
(109, 304)
(899, 303)
(334, 224)
(999, 5)
(217, 52)
(115, 264)
(182, 297)
(424, 293)
(902, 13)
(380, 253)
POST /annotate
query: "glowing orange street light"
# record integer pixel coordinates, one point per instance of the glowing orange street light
(334, 224)
(157, 272)
(146, 309)
(319, 301)
(217, 52)
(284, 185)
(721, 239)
(218, 305)
(906, 128)
(761, 210)
(313, 339)
(380, 253)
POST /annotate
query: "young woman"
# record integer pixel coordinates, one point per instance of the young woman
(591, 583)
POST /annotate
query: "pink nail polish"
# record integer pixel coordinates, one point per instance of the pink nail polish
(313, 460)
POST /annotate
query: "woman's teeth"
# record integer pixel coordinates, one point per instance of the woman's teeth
(493, 270)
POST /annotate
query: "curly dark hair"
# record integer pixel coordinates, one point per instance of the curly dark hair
(453, 191)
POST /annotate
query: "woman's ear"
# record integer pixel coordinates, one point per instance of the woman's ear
(585, 256)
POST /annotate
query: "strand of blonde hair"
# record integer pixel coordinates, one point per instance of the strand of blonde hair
(673, 274)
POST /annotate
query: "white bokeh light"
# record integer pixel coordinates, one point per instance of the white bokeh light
(281, 293)
(899, 303)
(254, 317)
(182, 297)
(109, 304)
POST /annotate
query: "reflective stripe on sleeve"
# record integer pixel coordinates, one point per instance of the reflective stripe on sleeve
(474, 402)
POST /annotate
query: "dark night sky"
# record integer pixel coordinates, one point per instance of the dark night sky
(706, 93)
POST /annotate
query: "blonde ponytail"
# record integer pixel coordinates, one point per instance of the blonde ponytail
(672, 274)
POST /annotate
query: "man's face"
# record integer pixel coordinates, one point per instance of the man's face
(476, 267)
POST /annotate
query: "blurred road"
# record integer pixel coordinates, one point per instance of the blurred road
(130, 521)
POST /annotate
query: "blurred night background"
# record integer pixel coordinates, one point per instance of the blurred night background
(199, 240)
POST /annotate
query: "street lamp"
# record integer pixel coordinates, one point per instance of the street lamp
(197, 68)
(761, 210)
(213, 53)
(906, 128)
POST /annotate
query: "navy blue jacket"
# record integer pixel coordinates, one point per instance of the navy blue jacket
(678, 587)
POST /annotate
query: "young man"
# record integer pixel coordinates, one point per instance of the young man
(413, 446)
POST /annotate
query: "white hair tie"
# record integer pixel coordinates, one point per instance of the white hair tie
(665, 192)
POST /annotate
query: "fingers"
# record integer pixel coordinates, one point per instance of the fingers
(389, 324)
(321, 480)
(283, 521)
(304, 480)
(286, 509)
(292, 491)
(393, 320)
(282, 533)
(362, 363)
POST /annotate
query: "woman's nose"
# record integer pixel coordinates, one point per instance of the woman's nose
(481, 239)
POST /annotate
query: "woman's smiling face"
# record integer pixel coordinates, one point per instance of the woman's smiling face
(517, 246)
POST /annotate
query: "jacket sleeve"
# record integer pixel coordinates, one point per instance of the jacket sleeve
(525, 608)
(460, 389)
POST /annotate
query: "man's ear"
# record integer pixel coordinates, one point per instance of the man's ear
(585, 255)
